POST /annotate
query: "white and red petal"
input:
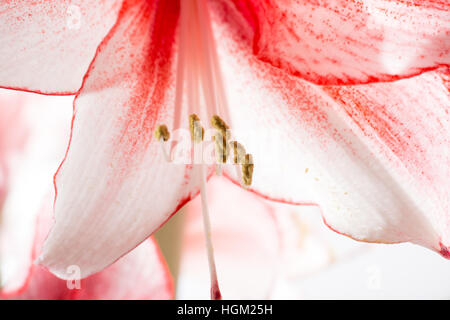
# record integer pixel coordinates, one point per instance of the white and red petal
(35, 130)
(115, 188)
(355, 270)
(374, 157)
(13, 134)
(348, 42)
(47, 46)
(142, 274)
(12, 128)
(36, 137)
(247, 245)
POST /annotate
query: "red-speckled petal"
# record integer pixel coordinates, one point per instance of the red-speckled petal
(115, 187)
(11, 136)
(376, 157)
(47, 46)
(348, 42)
(34, 132)
(13, 133)
(247, 245)
(406, 125)
(141, 274)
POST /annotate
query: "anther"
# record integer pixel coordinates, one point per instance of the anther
(220, 125)
(239, 152)
(197, 131)
(221, 147)
(247, 169)
(162, 132)
(220, 138)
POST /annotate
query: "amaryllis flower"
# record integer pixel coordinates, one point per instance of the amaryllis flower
(307, 88)
(29, 149)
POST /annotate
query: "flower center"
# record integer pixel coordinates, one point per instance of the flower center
(198, 72)
(199, 80)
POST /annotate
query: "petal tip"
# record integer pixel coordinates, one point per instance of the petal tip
(444, 251)
(42, 262)
(38, 261)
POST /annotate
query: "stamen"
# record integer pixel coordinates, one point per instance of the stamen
(180, 78)
(188, 31)
(197, 134)
(204, 82)
(206, 72)
(247, 170)
(213, 60)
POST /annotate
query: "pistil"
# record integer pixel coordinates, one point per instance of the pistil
(197, 134)
(215, 290)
